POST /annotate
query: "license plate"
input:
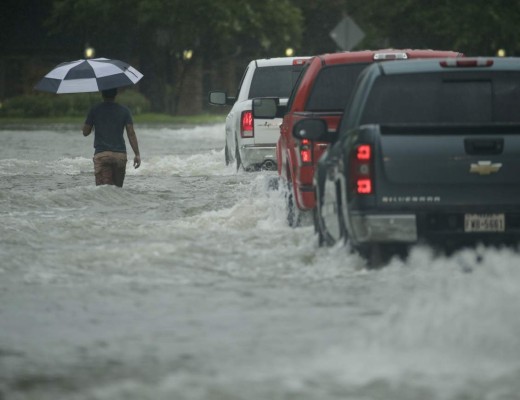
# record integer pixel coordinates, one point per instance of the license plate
(484, 223)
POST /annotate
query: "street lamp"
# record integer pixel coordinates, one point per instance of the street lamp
(89, 52)
(187, 55)
(289, 51)
(501, 53)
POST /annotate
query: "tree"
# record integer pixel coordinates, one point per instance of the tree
(474, 27)
(320, 18)
(154, 34)
(159, 32)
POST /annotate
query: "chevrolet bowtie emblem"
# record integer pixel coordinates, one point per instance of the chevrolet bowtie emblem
(485, 168)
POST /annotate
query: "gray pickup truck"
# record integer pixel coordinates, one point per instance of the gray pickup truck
(427, 151)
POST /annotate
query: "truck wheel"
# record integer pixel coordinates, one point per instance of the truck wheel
(226, 154)
(317, 227)
(293, 214)
(324, 238)
(331, 230)
(341, 224)
(237, 157)
(377, 255)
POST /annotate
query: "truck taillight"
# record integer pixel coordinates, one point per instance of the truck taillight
(306, 151)
(466, 63)
(390, 56)
(364, 152)
(361, 169)
(246, 125)
(364, 186)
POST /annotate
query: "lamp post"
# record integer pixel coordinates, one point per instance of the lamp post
(90, 52)
(187, 55)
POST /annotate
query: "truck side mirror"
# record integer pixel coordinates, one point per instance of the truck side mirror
(219, 98)
(265, 108)
(281, 110)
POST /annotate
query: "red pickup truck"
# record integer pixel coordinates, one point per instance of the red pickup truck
(322, 91)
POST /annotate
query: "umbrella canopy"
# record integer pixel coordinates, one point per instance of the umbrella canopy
(91, 75)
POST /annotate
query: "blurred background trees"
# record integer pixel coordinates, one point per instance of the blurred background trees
(184, 48)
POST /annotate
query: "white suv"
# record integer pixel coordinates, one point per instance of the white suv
(252, 141)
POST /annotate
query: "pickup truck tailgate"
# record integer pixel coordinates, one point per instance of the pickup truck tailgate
(267, 131)
(478, 166)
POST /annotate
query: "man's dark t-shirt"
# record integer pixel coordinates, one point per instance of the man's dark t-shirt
(109, 120)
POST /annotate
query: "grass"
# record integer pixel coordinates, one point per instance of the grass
(180, 119)
(149, 118)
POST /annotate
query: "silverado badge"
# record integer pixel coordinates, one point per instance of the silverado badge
(485, 168)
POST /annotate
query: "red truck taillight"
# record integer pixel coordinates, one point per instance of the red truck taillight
(361, 168)
(306, 151)
(246, 125)
(299, 61)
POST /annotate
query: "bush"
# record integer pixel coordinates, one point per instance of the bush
(67, 105)
(135, 101)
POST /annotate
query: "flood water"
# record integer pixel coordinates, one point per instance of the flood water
(187, 283)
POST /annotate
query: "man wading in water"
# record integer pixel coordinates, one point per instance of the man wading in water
(109, 121)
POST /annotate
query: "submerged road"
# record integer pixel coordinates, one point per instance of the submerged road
(188, 284)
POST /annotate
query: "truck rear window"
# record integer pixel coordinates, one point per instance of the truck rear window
(275, 81)
(438, 98)
(332, 87)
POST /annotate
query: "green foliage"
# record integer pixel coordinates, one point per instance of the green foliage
(67, 105)
(216, 27)
(260, 28)
(319, 19)
(477, 27)
(135, 101)
(153, 34)
(220, 28)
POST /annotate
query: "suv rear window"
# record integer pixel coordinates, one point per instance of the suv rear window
(333, 86)
(275, 81)
(439, 98)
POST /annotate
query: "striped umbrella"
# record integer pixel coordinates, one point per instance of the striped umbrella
(91, 75)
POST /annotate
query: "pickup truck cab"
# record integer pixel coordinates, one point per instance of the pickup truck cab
(323, 91)
(428, 151)
(251, 142)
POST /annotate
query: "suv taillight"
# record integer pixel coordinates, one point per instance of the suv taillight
(246, 125)
(306, 151)
(361, 169)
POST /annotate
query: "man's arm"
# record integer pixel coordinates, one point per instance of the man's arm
(87, 129)
(132, 138)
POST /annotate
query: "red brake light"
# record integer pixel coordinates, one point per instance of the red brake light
(298, 61)
(361, 169)
(306, 151)
(363, 152)
(246, 124)
(364, 186)
(466, 63)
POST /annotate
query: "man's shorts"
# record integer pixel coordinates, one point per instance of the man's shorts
(110, 168)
